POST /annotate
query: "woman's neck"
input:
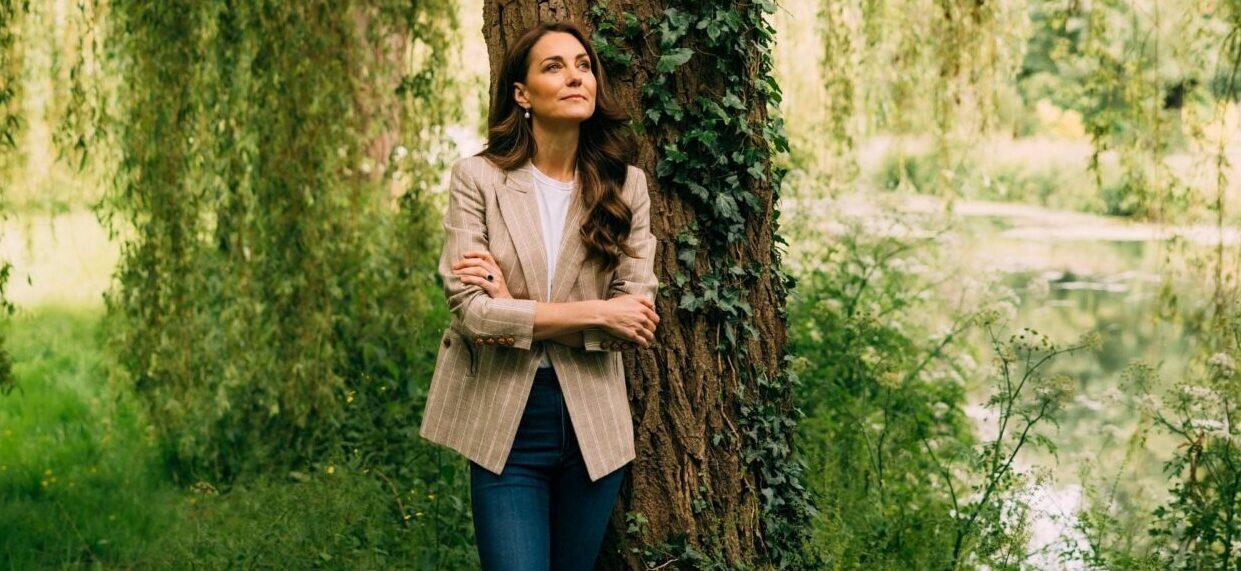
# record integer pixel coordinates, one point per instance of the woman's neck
(557, 150)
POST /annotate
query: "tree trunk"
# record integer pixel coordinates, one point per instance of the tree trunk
(686, 392)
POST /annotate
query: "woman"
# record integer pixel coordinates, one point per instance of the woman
(548, 266)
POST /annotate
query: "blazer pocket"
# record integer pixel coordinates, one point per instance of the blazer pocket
(456, 355)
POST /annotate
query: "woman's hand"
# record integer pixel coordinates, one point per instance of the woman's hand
(631, 317)
(474, 268)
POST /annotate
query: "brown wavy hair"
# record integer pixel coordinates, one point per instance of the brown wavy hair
(605, 146)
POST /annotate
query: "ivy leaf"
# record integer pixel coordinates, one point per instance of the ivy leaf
(726, 206)
(674, 25)
(675, 155)
(673, 59)
(714, 109)
(673, 109)
(632, 26)
(689, 302)
(687, 256)
(756, 172)
(698, 190)
(751, 200)
(706, 136)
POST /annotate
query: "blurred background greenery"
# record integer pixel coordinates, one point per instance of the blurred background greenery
(961, 172)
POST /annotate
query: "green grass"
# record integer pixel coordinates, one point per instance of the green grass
(78, 477)
(82, 485)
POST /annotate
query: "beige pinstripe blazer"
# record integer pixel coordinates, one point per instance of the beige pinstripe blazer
(487, 357)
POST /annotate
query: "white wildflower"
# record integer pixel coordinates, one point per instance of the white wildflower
(1207, 424)
(1222, 364)
(1196, 392)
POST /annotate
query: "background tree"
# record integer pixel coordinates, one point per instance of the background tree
(716, 483)
(273, 160)
(11, 12)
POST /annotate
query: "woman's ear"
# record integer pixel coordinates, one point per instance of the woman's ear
(519, 94)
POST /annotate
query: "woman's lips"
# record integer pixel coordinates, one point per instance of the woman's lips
(583, 98)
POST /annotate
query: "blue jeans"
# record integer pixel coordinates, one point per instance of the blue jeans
(542, 512)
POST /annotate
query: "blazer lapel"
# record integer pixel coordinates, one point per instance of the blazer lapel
(520, 208)
(572, 250)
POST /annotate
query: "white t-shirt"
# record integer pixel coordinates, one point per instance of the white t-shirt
(553, 197)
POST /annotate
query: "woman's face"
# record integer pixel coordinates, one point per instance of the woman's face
(560, 83)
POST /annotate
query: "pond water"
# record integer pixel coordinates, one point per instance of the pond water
(1070, 274)
(1073, 274)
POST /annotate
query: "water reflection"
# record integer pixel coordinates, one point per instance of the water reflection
(1071, 281)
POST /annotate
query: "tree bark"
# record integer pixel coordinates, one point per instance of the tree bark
(682, 390)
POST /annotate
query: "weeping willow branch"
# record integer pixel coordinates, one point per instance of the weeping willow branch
(11, 12)
(916, 66)
(272, 163)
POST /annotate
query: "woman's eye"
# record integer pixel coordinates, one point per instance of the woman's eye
(553, 66)
(585, 65)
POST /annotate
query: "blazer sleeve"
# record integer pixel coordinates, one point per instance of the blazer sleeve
(634, 276)
(465, 229)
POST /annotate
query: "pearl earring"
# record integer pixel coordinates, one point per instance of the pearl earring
(527, 113)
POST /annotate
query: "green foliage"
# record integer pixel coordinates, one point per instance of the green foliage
(900, 474)
(277, 303)
(928, 64)
(914, 66)
(1199, 526)
(1145, 77)
(81, 484)
(1139, 73)
(873, 391)
(1001, 176)
(11, 12)
(271, 283)
(1025, 397)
